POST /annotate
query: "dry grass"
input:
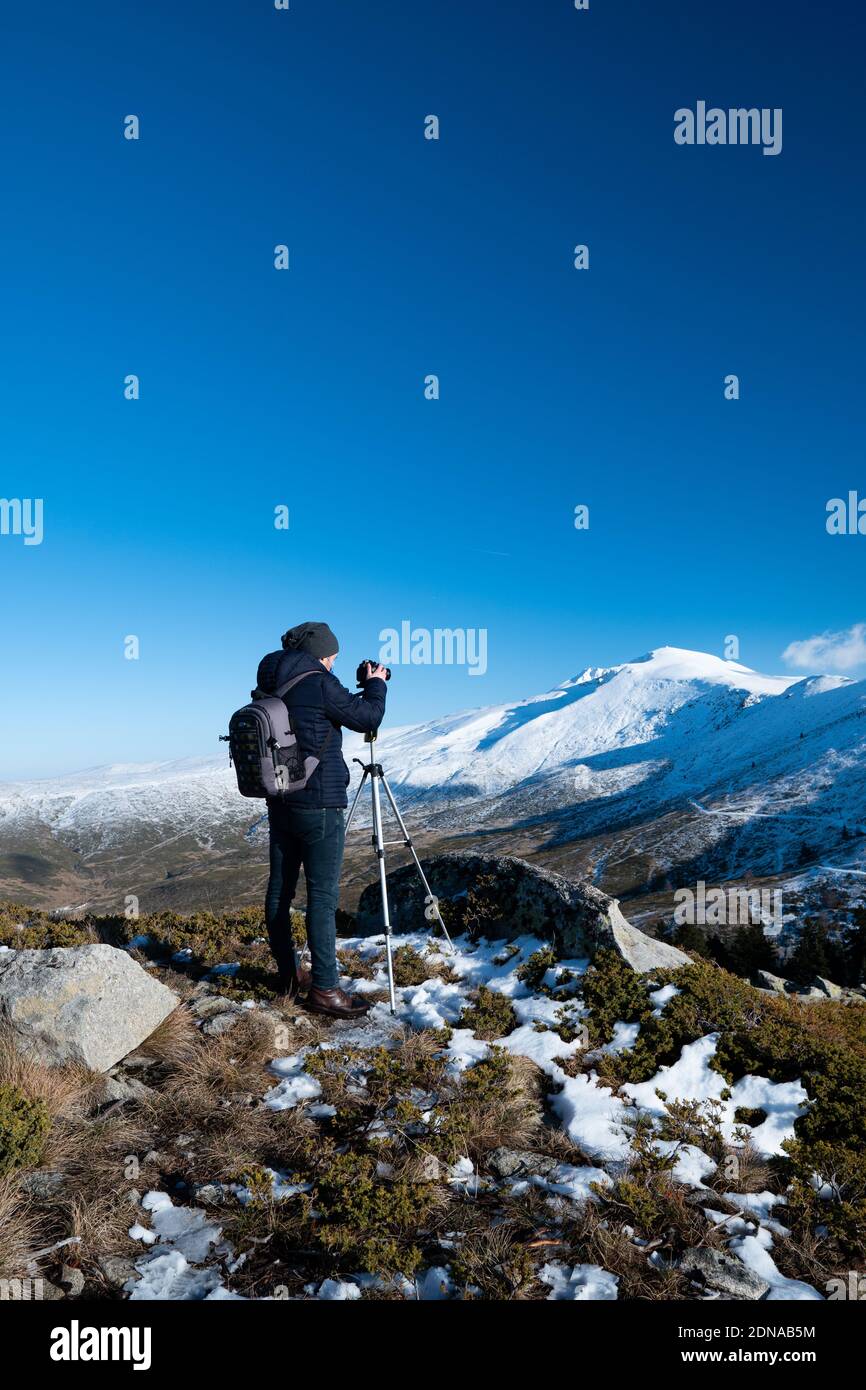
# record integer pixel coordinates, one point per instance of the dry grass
(590, 1239)
(232, 1062)
(213, 1095)
(497, 1260)
(555, 1143)
(512, 1115)
(809, 1257)
(67, 1092)
(100, 1220)
(20, 1230)
(742, 1170)
(175, 1041)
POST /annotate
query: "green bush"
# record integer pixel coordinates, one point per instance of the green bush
(410, 968)
(24, 1126)
(366, 1219)
(490, 1015)
(613, 993)
(823, 1045)
(356, 966)
(843, 1215)
(479, 911)
(25, 930)
(533, 970)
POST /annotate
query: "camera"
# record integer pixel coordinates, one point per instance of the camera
(361, 673)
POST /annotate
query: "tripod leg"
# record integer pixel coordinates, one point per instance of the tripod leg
(380, 856)
(356, 798)
(409, 845)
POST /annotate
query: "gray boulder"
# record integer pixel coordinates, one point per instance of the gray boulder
(88, 1004)
(520, 1163)
(209, 1005)
(502, 896)
(222, 1023)
(117, 1269)
(832, 991)
(765, 979)
(44, 1184)
(125, 1088)
(722, 1272)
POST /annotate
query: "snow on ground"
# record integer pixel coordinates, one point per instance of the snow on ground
(692, 1164)
(181, 1239)
(760, 1205)
(336, 1290)
(660, 997)
(296, 1085)
(625, 1035)
(692, 1078)
(754, 1251)
(595, 1117)
(784, 1102)
(566, 1180)
(580, 1283)
(281, 1187)
(591, 1115)
(689, 1078)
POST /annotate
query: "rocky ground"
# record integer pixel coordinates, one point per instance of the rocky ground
(528, 1125)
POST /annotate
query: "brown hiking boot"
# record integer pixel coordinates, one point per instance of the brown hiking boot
(293, 985)
(336, 1003)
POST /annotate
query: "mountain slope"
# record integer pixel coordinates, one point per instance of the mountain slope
(652, 773)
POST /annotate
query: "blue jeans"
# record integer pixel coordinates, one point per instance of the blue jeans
(314, 838)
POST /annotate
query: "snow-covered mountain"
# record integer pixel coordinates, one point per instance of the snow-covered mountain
(676, 763)
(602, 711)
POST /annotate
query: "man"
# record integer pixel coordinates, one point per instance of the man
(308, 827)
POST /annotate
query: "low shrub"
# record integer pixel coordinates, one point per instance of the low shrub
(369, 1221)
(613, 993)
(534, 969)
(490, 1015)
(410, 968)
(24, 1127)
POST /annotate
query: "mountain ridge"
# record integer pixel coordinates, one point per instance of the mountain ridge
(676, 763)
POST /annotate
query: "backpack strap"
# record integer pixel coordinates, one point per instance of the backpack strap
(325, 741)
(283, 690)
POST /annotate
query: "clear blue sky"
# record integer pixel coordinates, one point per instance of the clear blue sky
(411, 257)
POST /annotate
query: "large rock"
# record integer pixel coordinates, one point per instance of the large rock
(721, 1272)
(520, 1163)
(507, 897)
(90, 1004)
(765, 979)
(827, 987)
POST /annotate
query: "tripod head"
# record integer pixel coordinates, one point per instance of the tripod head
(370, 736)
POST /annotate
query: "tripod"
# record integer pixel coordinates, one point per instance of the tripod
(373, 770)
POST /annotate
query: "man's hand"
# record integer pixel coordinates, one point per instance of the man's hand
(375, 672)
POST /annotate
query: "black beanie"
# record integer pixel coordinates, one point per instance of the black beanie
(315, 638)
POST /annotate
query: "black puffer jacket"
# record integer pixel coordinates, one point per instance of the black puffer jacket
(317, 704)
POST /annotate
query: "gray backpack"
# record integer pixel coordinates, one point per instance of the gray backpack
(262, 745)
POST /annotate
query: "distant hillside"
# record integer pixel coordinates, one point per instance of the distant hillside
(641, 777)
